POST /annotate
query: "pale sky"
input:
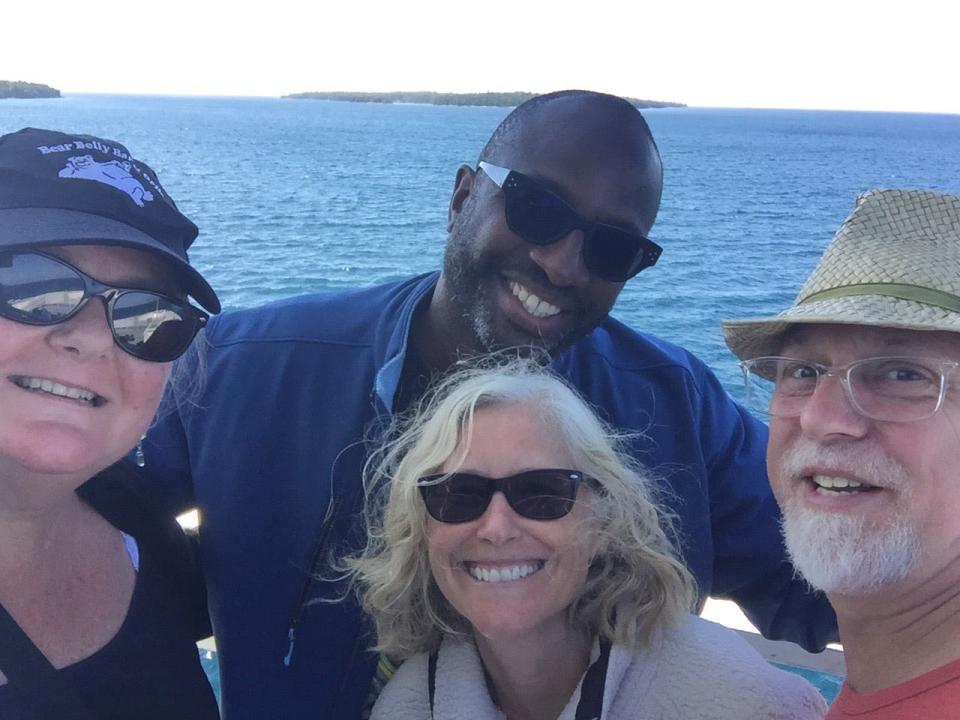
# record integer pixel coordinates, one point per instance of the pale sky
(831, 54)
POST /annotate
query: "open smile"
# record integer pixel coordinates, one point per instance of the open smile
(46, 386)
(833, 485)
(834, 491)
(532, 313)
(533, 304)
(486, 573)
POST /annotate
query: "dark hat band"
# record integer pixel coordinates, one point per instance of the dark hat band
(927, 296)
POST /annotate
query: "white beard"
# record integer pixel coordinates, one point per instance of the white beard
(842, 554)
(845, 554)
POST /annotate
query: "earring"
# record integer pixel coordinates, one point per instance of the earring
(138, 456)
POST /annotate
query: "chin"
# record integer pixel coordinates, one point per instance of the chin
(496, 631)
(844, 555)
(62, 451)
(506, 337)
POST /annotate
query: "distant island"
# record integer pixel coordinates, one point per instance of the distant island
(488, 99)
(17, 89)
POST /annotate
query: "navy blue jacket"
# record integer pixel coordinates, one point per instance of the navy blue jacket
(272, 455)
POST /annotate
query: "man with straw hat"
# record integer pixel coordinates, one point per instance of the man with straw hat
(860, 379)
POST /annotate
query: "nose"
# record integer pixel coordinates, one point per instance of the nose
(830, 413)
(562, 261)
(86, 333)
(498, 524)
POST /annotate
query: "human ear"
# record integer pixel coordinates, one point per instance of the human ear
(462, 188)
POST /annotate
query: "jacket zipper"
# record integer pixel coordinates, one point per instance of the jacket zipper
(332, 508)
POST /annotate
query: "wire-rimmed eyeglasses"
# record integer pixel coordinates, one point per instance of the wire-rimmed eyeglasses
(892, 389)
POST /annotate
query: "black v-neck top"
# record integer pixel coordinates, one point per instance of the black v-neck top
(151, 668)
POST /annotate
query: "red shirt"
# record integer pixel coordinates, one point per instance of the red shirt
(932, 696)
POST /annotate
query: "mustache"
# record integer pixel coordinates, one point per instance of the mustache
(870, 464)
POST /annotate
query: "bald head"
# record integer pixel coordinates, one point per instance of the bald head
(577, 124)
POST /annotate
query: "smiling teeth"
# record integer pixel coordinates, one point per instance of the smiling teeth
(48, 386)
(827, 484)
(503, 574)
(533, 305)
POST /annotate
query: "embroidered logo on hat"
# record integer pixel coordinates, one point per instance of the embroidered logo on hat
(3, 679)
(120, 201)
(113, 172)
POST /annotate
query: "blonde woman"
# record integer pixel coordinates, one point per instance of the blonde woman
(521, 569)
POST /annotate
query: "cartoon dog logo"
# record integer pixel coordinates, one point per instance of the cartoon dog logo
(113, 173)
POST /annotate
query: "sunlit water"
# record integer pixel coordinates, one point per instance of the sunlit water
(300, 196)
(297, 196)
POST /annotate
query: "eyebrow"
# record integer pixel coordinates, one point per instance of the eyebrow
(163, 284)
(160, 275)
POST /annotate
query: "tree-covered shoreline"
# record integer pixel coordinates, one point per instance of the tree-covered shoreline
(26, 90)
(488, 99)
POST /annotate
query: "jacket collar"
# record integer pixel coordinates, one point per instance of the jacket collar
(420, 289)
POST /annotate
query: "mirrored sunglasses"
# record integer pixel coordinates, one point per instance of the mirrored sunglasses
(40, 289)
(541, 217)
(545, 494)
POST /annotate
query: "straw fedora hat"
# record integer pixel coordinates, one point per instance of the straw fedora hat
(895, 262)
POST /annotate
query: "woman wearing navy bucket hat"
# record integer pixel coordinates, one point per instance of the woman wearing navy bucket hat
(101, 600)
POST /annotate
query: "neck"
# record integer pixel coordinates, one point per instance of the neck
(895, 635)
(65, 577)
(35, 510)
(528, 681)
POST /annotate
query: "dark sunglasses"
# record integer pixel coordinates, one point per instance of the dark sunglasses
(459, 497)
(542, 217)
(40, 289)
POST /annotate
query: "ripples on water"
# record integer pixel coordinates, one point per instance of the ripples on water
(298, 196)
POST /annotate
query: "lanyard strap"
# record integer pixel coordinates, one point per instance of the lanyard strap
(590, 706)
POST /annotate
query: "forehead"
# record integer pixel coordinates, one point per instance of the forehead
(852, 341)
(601, 162)
(120, 265)
(510, 438)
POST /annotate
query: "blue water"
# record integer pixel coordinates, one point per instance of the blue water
(827, 683)
(294, 196)
(298, 196)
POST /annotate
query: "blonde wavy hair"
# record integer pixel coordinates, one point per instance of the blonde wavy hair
(635, 581)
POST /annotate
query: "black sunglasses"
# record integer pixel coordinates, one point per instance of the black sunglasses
(458, 497)
(40, 289)
(542, 217)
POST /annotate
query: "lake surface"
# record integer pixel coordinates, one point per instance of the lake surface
(295, 196)
(301, 196)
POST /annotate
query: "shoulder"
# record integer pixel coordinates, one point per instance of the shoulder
(405, 697)
(131, 501)
(705, 665)
(621, 348)
(640, 380)
(925, 696)
(126, 497)
(346, 317)
(617, 366)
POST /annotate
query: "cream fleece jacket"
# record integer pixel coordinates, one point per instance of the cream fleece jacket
(698, 671)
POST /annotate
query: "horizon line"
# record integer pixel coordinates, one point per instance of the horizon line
(687, 106)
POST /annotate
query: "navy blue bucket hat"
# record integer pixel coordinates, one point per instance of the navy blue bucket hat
(63, 189)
